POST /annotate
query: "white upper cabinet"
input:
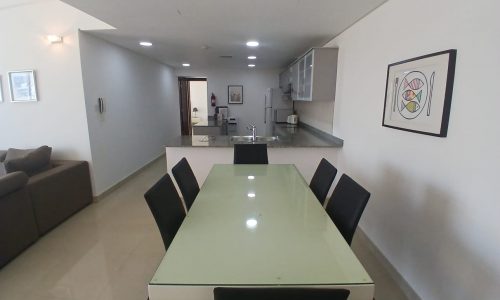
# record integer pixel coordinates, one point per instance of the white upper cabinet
(313, 76)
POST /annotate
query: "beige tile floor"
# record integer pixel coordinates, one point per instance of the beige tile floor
(110, 250)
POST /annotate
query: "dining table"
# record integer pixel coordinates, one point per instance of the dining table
(257, 226)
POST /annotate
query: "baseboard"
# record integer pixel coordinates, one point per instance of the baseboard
(126, 179)
(395, 275)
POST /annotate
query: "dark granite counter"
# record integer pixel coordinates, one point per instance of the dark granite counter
(288, 137)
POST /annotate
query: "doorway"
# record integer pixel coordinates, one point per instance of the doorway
(192, 102)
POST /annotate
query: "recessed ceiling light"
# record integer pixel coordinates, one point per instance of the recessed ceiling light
(251, 195)
(251, 177)
(252, 223)
(251, 65)
(146, 44)
(252, 44)
(252, 57)
(186, 65)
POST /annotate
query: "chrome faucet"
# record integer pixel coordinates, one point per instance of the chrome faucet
(254, 131)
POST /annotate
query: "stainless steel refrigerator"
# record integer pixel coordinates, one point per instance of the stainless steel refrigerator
(277, 107)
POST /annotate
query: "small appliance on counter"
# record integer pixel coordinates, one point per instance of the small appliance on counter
(292, 119)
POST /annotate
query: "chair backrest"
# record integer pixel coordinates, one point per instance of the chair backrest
(323, 179)
(250, 154)
(280, 294)
(186, 181)
(346, 206)
(166, 207)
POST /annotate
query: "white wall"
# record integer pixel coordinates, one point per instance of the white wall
(141, 109)
(198, 96)
(254, 81)
(434, 206)
(58, 119)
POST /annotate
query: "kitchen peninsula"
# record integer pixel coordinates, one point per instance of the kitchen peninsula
(301, 145)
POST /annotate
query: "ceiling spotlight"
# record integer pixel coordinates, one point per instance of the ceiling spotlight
(186, 65)
(252, 57)
(146, 44)
(251, 65)
(252, 223)
(251, 177)
(251, 195)
(252, 44)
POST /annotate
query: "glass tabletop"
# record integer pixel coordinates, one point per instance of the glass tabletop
(258, 225)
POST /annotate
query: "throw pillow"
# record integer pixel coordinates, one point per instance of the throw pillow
(29, 161)
(3, 153)
(2, 169)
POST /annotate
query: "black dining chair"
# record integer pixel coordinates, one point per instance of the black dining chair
(222, 293)
(346, 205)
(322, 180)
(166, 207)
(186, 181)
(250, 154)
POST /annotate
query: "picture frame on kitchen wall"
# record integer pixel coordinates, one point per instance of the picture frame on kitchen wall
(418, 93)
(235, 94)
(22, 86)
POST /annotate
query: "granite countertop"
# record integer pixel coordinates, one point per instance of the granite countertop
(211, 123)
(288, 137)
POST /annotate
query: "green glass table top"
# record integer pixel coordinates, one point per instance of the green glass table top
(258, 225)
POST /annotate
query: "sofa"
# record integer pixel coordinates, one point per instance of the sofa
(30, 206)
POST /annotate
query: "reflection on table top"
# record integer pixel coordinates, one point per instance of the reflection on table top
(258, 225)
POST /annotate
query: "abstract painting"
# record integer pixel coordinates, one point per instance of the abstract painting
(235, 94)
(418, 93)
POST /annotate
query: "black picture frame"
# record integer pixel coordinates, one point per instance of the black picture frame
(234, 94)
(406, 100)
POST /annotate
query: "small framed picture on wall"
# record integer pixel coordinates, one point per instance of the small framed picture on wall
(1, 90)
(22, 86)
(235, 94)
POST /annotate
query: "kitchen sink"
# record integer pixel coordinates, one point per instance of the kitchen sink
(248, 139)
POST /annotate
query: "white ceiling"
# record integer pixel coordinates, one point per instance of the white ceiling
(179, 29)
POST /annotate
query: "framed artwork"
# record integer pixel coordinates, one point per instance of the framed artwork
(418, 93)
(235, 94)
(1, 90)
(22, 86)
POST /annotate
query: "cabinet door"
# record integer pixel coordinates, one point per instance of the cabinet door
(302, 69)
(308, 76)
(294, 72)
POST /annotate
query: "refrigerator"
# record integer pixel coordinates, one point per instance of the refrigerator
(276, 108)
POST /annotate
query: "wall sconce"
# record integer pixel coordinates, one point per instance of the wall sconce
(54, 39)
(195, 110)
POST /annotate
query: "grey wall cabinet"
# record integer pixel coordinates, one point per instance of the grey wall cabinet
(313, 76)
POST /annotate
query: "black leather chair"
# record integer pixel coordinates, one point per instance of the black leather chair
(280, 294)
(186, 181)
(166, 207)
(250, 154)
(323, 179)
(346, 206)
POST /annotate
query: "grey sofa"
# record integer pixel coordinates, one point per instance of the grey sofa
(30, 207)
(18, 227)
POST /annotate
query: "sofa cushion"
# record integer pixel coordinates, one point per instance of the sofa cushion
(31, 161)
(12, 182)
(3, 153)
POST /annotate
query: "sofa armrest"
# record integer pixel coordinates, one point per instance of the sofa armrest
(12, 182)
(59, 168)
(59, 192)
